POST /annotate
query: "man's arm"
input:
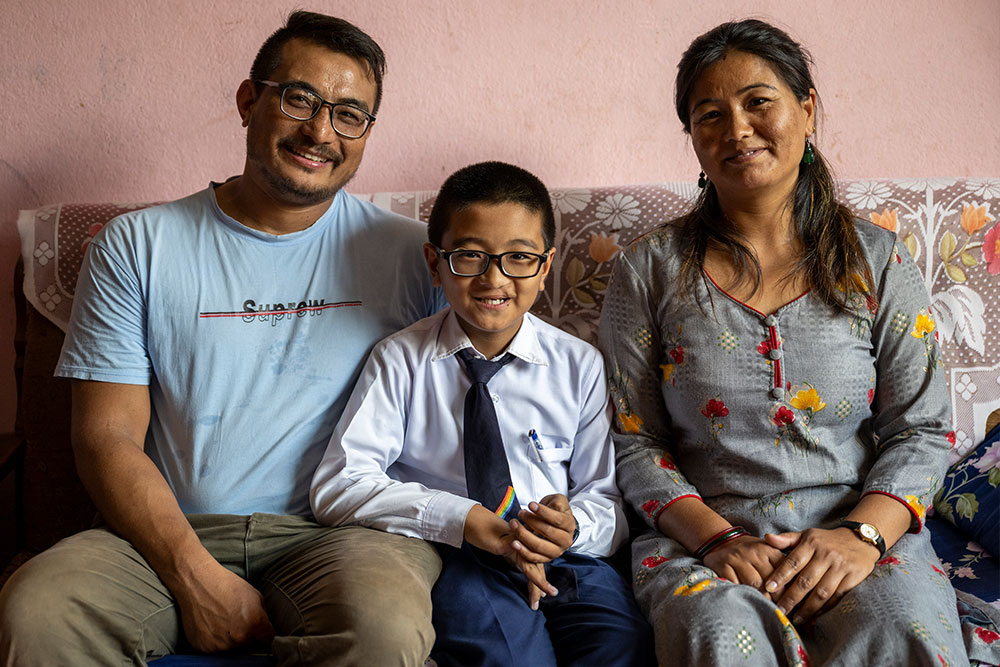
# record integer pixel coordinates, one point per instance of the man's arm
(219, 610)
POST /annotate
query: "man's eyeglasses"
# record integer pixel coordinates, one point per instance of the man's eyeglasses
(303, 104)
(513, 264)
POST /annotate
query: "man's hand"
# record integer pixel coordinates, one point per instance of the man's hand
(545, 529)
(485, 530)
(220, 611)
(821, 567)
(746, 560)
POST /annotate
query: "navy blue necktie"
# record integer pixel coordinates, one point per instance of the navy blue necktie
(487, 474)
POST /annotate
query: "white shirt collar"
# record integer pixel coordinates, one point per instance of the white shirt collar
(452, 338)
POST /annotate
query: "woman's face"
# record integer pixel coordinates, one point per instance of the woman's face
(748, 129)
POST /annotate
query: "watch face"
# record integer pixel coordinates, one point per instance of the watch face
(868, 531)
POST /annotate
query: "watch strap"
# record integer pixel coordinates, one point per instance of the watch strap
(879, 542)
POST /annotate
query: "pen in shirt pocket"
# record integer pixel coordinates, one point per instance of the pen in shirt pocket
(533, 437)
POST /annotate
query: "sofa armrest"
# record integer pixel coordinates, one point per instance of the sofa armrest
(11, 452)
(12, 446)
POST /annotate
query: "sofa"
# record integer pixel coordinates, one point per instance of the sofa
(945, 224)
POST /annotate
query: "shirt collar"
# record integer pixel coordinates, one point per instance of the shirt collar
(451, 338)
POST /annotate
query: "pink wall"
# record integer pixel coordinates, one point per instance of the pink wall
(131, 100)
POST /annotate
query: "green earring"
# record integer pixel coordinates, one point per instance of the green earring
(809, 156)
(702, 181)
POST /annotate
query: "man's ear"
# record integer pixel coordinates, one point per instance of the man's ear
(246, 97)
(433, 260)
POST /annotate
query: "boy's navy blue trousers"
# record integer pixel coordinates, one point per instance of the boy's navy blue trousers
(482, 618)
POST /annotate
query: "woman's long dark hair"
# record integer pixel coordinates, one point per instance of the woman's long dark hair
(832, 259)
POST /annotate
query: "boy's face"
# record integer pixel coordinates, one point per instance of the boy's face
(490, 306)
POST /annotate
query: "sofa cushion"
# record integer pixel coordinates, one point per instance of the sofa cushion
(966, 563)
(970, 495)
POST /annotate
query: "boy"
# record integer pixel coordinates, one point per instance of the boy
(412, 454)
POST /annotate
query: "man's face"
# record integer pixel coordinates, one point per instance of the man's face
(304, 163)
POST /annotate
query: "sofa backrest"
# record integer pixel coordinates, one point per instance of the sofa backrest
(945, 224)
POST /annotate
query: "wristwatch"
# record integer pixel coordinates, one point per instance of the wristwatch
(867, 533)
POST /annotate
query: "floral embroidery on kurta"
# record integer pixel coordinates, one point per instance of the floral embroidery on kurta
(783, 418)
(715, 410)
(674, 358)
(770, 504)
(923, 329)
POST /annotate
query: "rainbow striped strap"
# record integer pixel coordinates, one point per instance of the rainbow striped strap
(506, 503)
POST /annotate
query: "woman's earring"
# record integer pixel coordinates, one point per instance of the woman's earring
(702, 181)
(809, 156)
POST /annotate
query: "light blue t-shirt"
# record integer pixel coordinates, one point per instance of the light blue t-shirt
(250, 343)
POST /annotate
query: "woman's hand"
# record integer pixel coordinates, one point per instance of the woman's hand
(746, 560)
(822, 566)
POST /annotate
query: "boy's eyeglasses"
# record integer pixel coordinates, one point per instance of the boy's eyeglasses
(303, 104)
(513, 264)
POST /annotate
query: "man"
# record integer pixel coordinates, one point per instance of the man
(213, 344)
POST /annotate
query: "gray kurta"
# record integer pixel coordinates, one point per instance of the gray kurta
(780, 423)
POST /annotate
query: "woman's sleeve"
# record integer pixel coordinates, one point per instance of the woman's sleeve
(631, 343)
(911, 411)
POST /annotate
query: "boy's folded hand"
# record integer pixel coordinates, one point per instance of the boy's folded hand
(545, 529)
(538, 585)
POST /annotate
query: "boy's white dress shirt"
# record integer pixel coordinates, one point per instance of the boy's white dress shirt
(396, 462)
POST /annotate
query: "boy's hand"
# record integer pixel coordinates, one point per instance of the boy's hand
(485, 530)
(538, 585)
(545, 529)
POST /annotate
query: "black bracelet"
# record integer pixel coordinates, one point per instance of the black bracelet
(717, 540)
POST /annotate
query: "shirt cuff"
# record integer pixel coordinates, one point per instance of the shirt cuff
(444, 519)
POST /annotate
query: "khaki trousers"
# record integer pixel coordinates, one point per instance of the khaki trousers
(336, 596)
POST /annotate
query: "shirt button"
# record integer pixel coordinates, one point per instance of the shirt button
(770, 320)
(777, 393)
(496, 399)
(774, 354)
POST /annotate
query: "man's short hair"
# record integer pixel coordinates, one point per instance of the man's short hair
(335, 34)
(490, 183)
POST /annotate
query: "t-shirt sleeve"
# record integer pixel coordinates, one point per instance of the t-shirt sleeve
(106, 340)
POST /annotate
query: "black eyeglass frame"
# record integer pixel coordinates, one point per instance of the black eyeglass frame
(491, 257)
(323, 103)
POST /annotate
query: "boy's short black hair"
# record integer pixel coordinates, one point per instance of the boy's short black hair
(491, 183)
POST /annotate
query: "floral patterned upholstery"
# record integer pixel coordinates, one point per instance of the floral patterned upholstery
(966, 525)
(946, 224)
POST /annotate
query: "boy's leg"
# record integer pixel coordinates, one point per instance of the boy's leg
(348, 595)
(603, 626)
(89, 600)
(481, 619)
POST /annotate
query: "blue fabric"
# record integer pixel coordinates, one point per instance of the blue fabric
(969, 568)
(250, 342)
(970, 495)
(965, 526)
(482, 618)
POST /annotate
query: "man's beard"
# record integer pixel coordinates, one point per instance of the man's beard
(292, 191)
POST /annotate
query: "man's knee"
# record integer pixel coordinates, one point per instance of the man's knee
(362, 589)
(44, 612)
(88, 600)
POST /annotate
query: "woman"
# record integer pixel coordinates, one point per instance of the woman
(781, 410)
